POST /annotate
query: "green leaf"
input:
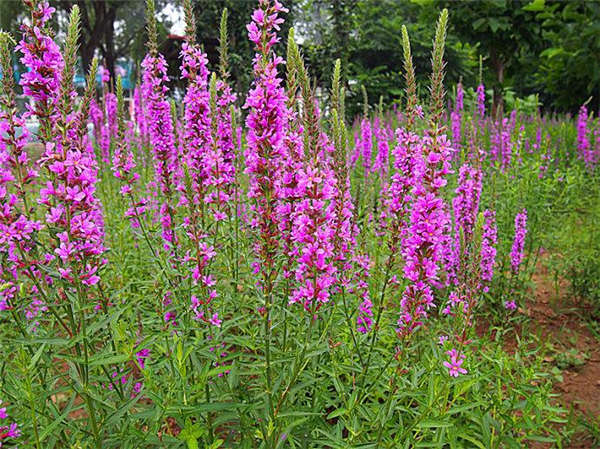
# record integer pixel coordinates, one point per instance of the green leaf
(336, 413)
(535, 5)
(551, 52)
(103, 359)
(542, 439)
(36, 357)
(473, 440)
(191, 432)
(433, 424)
(494, 24)
(216, 444)
(116, 416)
(54, 424)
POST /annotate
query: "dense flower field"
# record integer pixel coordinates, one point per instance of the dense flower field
(247, 269)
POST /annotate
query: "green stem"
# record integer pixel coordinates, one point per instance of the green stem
(92, 413)
(387, 406)
(351, 327)
(377, 320)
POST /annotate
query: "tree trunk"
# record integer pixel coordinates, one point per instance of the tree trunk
(109, 42)
(497, 104)
(91, 33)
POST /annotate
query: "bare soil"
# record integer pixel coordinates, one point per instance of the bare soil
(564, 323)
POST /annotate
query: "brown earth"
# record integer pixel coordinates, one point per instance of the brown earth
(563, 322)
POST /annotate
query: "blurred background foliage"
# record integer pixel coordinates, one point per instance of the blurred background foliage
(547, 48)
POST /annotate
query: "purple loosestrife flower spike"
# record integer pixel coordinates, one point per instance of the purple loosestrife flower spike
(313, 231)
(489, 240)
(313, 234)
(292, 162)
(383, 148)
(201, 158)
(160, 131)
(426, 237)
(480, 94)
(9, 431)
(397, 195)
(583, 141)
(352, 268)
(266, 124)
(518, 246)
(456, 125)
(366, 144)
(455, 364)
(460, 95)
(17, 172)
(456, 117)
(74, 211)
(466, 207)
(44, 61)
(466, 202)
(123, 161)
(68, 197)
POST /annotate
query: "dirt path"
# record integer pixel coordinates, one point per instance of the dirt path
(563, 323)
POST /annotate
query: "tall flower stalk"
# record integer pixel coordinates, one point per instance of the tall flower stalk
(425, 238)
(65, 270)
(313, 216)
(266, 103)
(17, 174)
(160, 130)
(517, 253)
(201, 160)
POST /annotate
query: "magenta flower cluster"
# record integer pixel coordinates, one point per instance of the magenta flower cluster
(456, 116)
(313, 234)
(42, 56)
(425, 238)
(489, 241)
(455, 364)
(518, 246)
(160, 132)
(67, 199)
(9, 431)
(266, 124)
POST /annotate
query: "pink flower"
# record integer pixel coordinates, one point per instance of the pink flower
(9, 432)
(489, 241)
(455, 364)
(366, 144)
(266, 147)
(480, 94)
(141, 357)
(424, 239)
(162, 139)
(516, 254)
(215, 321)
